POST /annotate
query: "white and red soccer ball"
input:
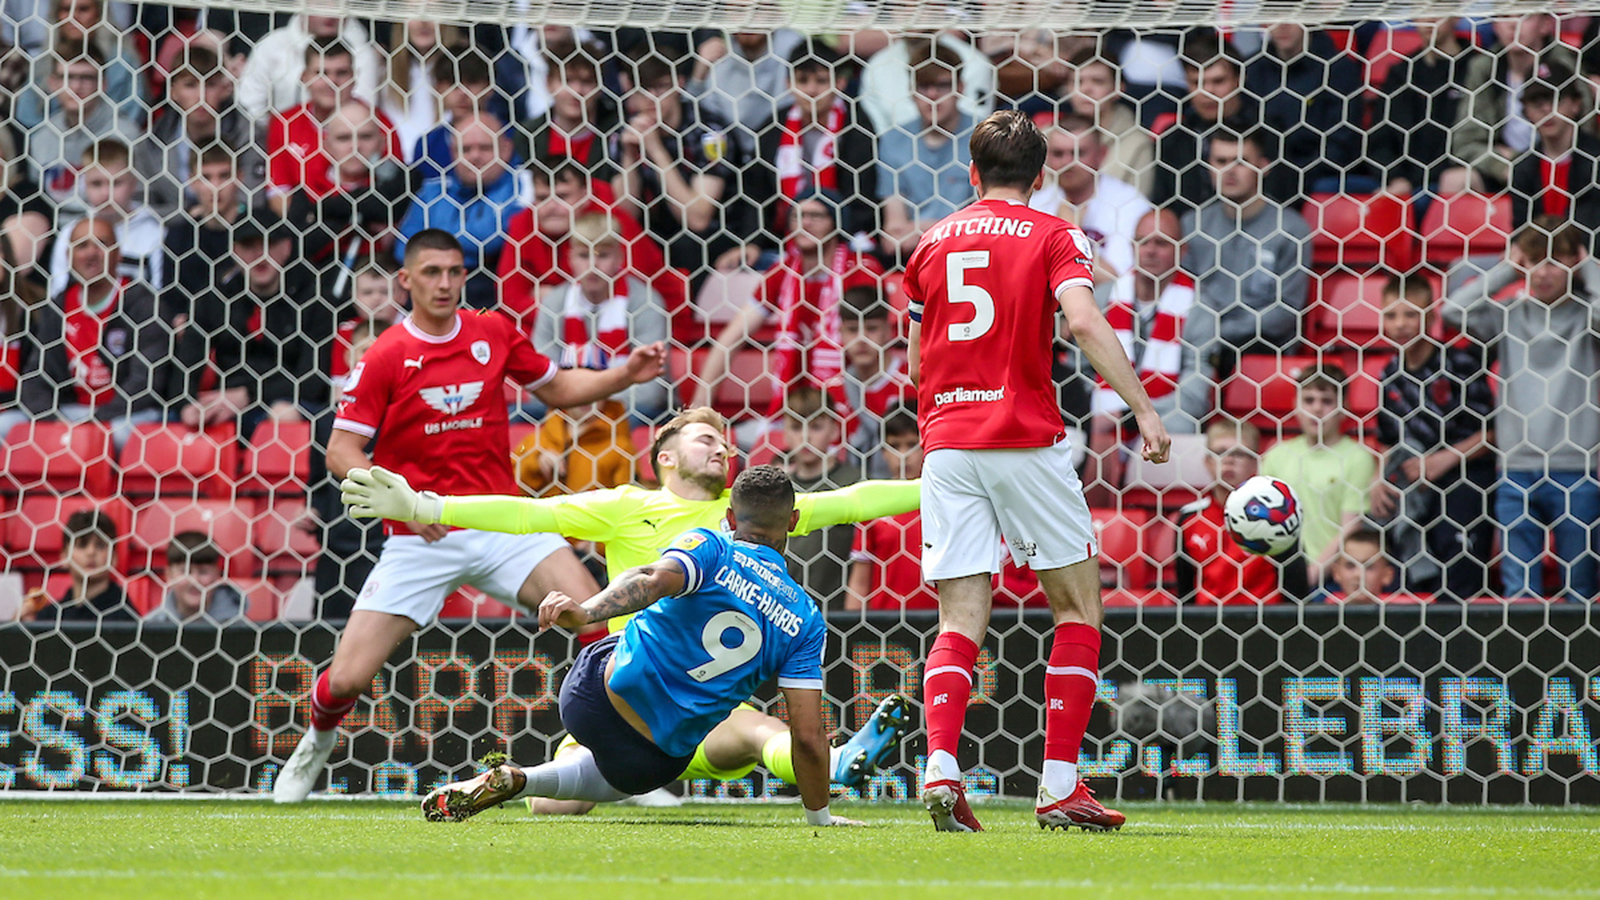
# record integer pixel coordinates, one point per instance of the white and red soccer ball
(1263, 515)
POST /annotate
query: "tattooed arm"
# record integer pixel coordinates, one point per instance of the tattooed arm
(632, 591)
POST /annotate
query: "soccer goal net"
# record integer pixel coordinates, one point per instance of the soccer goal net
(1351, 254)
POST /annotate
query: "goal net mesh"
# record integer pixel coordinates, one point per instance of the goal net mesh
(1304, 226)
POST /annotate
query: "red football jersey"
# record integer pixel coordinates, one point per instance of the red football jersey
(437, 406)
(1224, 571)
(983, 283)
(295, 158)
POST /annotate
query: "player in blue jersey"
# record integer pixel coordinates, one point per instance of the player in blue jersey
(720, 616)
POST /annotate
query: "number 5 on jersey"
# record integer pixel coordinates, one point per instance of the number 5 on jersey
(956, 266)
(723, 657)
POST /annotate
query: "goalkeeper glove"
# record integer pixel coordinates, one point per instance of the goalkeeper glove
(378, 493)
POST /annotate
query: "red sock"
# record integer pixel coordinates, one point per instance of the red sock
(946, 688)
(1069, 687)
(327, 711)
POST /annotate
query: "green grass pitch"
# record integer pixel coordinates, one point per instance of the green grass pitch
(360, 850)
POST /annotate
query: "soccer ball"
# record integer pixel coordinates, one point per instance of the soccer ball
(1263, 515)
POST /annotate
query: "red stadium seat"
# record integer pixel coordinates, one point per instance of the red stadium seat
(33, 537)
(1362, 391)
(746, 390)
(145, 593)
(1348, 310)
(1360, 232)
(1123, 553)
(57, 457)
(155, 524)
(1170, 485)
(265, 598)
(282, 547)
(1465, 224)
(175, 460)
(1389, 48)
(1263, 390)
(278, 460)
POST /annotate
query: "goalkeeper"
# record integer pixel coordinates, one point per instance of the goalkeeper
(690, 454)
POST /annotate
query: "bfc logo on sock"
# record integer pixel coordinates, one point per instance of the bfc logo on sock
(1057, 703)
(941, 698)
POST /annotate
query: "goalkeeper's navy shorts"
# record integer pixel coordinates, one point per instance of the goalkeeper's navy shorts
(630, 762)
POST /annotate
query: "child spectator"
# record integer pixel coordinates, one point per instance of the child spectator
(596, 319)
(582, 116)
(886, 560)
(1211, 567)
(1548, 423)
(196, 592)
(378, 299)
(81, 117)
(95, 594)
(584, 448)
(1438, 462)
(1362, 572)
(1331, 474)
(811, 433)
(360, 337)
(102, 349)
(109, 188)
(874, 379)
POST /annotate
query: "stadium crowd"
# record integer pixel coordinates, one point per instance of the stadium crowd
(1357, 259)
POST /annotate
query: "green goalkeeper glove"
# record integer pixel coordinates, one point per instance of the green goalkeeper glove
(378, 493)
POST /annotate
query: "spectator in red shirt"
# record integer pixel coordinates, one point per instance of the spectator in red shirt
(296, 157)
(1561, 176)
(803, 292)
(101, 345)
(1212, 568)
(535, 257)
(874, 379)
(886, 562)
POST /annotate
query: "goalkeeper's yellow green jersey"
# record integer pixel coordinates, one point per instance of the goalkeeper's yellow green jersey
(637, 524)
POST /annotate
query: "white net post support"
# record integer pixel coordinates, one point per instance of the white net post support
(1481, 699)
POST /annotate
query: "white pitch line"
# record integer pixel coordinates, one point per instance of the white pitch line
(346, 875)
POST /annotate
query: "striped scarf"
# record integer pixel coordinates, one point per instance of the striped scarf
(595, 335)
(1158, 359)
(792, 169)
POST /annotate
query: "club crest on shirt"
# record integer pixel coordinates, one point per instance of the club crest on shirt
(480, 352)
(116, 341)
(715, 145)
(451, 399)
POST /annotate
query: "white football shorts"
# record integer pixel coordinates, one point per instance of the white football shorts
(413, 578)
(1030, 497)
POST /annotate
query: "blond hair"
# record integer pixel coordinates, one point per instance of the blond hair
(1225, 427)
(596, 229)
(699, 415)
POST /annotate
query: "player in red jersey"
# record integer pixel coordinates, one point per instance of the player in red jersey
(984, 286)
(429, 394)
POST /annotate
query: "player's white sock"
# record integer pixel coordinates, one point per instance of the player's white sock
(942, 766)
(570, 776)
(1059, 778)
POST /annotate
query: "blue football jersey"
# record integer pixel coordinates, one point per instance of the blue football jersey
(684, 663)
